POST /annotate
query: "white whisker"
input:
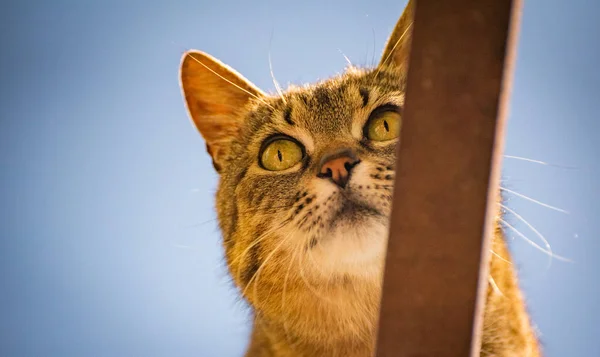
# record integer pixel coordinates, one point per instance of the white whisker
(308, 284)
(534, 200)
(537, 161)
(345, 57)
(275, 83)
(500, 257)
(495, 286)
(257, 274)
(374, 43)
(532, 243)
(253, 244)
(182, 246)
(285, 279)
(537, 233)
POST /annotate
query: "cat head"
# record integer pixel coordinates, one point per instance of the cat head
(305, 176)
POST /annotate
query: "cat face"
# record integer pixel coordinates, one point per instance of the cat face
(305, 176)
(311, 169)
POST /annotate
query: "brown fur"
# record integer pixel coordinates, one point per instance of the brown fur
(309, 267)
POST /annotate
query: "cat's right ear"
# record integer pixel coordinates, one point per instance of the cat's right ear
(397, 48)
(215, 96)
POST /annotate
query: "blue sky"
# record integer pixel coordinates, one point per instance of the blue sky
(108, 243)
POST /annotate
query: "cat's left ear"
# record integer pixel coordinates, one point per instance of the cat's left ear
(216, 96)
(397, 48)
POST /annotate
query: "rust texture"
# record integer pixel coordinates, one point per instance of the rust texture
(447, 175)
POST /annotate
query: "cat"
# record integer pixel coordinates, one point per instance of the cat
(304, 199)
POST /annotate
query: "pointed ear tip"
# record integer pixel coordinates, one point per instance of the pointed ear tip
(189, 55)
(188, 59)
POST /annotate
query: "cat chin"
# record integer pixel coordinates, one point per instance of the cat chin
(351, 248)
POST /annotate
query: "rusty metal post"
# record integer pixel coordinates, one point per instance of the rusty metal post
(447, 177)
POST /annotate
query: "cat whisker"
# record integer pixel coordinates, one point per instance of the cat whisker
(539, 162)
(315, 263)
(345, 57)
(534, 200)
(532, 243)
(230, 82)
(285, 279)
(256, 275)
(308, 284)
(183, 246)
(258, 212)
(196, 225)
(285, 328)
(265, 209)
(374, 42)
(495, 286)
(275, 83)
(254, 243)
(272, 285)
(537, 233)
(500, 257)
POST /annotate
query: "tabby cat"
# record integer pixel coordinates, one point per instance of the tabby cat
(304, 199)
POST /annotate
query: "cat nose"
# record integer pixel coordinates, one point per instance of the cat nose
(338, 166)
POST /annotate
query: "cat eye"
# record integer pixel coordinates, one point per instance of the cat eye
(383, 124)
(280, 153)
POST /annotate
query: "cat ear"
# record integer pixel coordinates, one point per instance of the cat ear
(215, 96)
(397, 48)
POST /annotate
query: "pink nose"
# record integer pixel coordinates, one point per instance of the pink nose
(338, 167)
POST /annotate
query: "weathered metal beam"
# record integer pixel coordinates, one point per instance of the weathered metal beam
(447, 176)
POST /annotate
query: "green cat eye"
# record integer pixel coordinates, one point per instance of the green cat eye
(383, 125)
(281, 154)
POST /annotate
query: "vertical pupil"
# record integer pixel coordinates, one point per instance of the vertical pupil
(279, 155)
(385, 124)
